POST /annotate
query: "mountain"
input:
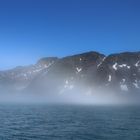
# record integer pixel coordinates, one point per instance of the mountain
(19, 78)
(85, 73)
(120, 71)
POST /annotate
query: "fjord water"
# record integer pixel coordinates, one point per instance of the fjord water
(69, 122)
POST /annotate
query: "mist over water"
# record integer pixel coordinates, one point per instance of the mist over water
(72, 97)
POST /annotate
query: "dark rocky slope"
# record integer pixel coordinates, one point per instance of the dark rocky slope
(86, 72)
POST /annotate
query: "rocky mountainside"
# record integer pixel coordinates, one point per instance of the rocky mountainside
(19, 78)
(87, 72)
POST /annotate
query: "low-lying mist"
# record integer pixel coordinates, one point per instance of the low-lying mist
(78, 96)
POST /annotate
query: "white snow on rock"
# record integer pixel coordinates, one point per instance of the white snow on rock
(47, 66)
(136, 84)
(37, 70)
(124, 65)
(137, 64)
(115, 66)
(123, 86)
(128, 67)
(80, 59)
(109, 78)
(79, 69)
(101, 62)
(67, 86)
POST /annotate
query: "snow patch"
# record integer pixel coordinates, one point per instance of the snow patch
(124, 65)
(115, 66)
(67, 86)
(137, 64)
(101, 62)
(37, 70)
(123, 86)
(109, 78)
(79, 69)
(128, 67)
(136, 84)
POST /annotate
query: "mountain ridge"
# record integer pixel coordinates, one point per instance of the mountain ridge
(90, 70)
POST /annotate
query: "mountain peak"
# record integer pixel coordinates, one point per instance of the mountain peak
(46, 60)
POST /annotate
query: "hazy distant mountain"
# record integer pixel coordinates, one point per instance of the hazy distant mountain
(85, 72)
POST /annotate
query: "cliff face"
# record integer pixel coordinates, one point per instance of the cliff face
(120, 71)
(87, 71)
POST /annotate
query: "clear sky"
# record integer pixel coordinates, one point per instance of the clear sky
(31, 29)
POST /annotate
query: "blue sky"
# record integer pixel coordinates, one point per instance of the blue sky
(31, 29)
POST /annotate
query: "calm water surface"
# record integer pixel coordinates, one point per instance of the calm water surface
(65, 122)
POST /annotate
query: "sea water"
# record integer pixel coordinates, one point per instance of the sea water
(69, 122)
